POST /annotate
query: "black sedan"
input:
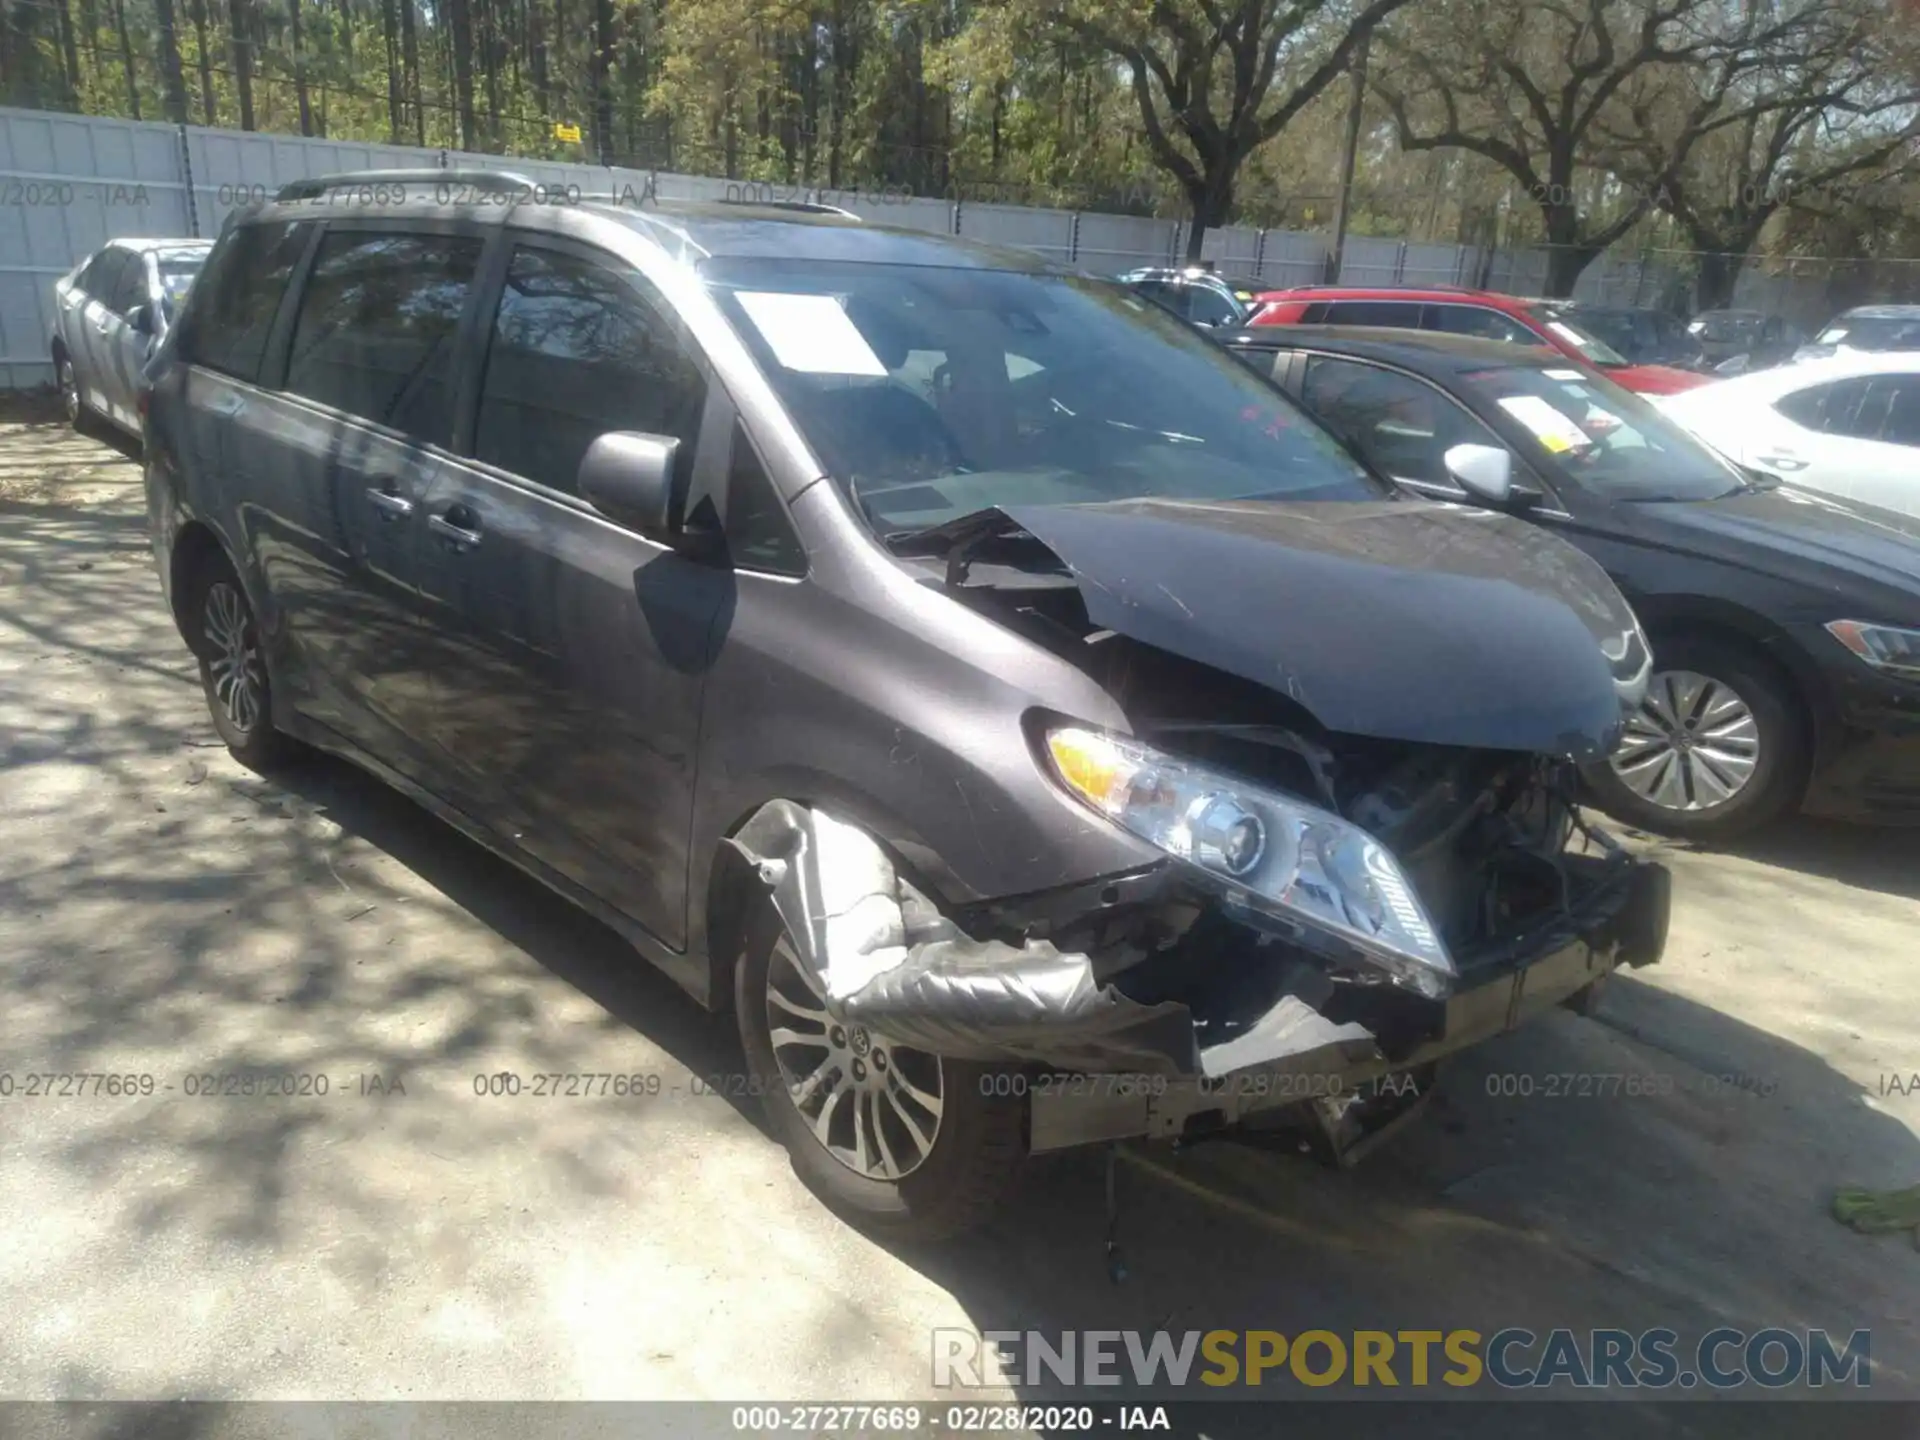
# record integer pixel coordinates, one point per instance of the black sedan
(1785, 624)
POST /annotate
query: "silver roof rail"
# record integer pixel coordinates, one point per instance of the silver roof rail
(803, 207)
(500, 182)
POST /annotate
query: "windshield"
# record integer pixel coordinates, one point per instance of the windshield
(1873, 332)
(1592, 348)
(930, 393)
(176, 277)
(1610, 440)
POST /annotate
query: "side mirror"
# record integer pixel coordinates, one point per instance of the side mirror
(141, 319)
(1485, 472)
(628, 477)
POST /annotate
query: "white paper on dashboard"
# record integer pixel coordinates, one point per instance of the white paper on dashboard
(1550, 427)
(810, 333)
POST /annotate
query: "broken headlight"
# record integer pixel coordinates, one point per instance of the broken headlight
(1274, 852)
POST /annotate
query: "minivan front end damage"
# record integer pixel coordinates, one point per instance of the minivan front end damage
(1172, 1002)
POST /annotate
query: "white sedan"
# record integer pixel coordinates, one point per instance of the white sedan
(1849, 425)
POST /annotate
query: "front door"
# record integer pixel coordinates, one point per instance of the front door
(573, 652)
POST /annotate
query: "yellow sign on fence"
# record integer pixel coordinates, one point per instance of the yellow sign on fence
(569, 133)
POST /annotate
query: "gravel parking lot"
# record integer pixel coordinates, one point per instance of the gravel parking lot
(168, 914)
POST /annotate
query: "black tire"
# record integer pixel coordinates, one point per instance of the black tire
(70, 398)
(976, 1152)
(1779, 775)
(215, 602)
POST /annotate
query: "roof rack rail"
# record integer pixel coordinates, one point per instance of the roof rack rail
(803, 207)
(501, 182)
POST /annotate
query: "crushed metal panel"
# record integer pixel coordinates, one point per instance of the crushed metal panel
(886, 957)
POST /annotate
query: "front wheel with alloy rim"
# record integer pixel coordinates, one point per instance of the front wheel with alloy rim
(233, 669)
(904, 1143)
(1718, 748)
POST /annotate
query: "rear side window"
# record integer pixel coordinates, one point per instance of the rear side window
(1805, 407)
(1885, 411)
(580, 349)
(234, 305)
(1478, 321)
(376, 328)
(130, 290)
(1399, 313)
(102, 274)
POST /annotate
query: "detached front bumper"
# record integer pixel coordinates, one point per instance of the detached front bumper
(1110, 1067)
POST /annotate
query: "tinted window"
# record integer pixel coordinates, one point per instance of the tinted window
(1207, 306)
(1314, 314)
(1903, 412)
(102, 273)
(228, 324)
(1399, 313)
(1477, 320)
(376, 327)
(130, 289)
(579, 350)
(929, 393)
(1402, 425)
(759, 534)
(1805, 407)
(1878, 408)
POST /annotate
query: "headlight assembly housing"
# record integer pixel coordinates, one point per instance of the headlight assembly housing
(1885, 647)
(1272, 853)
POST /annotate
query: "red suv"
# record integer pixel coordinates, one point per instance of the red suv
(1479, 313)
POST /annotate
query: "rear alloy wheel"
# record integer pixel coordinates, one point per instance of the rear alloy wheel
(233, 669)
(1717, 749)
(904, 1143)
(69, 392)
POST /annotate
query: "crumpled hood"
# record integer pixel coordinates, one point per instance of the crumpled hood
(1399, 620)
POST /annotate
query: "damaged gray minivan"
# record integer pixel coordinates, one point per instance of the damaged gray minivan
(1033, 727)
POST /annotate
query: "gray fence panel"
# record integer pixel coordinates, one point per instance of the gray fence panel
(233, 168)
(694, 187)
(1112, 244)
(1368, 260)
(1233, 249)
(68, 184)
(1048, 231)
(1293, 257)
(902, 212)
(1436, 265)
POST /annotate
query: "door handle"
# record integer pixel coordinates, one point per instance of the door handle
(228, 404)
(459, 537)
(390, 505)
(1780, 462)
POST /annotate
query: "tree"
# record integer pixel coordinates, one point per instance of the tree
(238, 15)
(1827, 104)
(1214, 80)
(1530, 87)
